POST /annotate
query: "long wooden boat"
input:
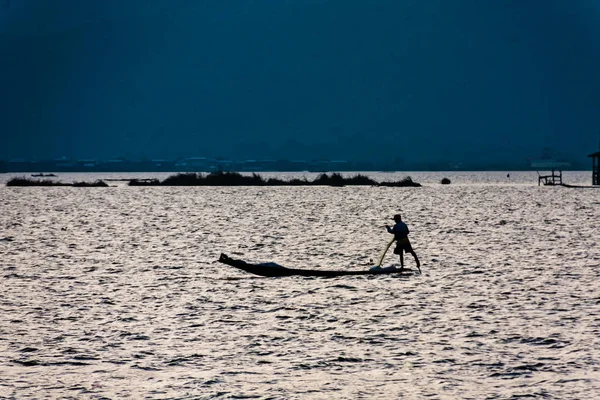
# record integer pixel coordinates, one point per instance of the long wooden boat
(275, 270)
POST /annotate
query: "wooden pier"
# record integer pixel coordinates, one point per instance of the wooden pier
(552, 179)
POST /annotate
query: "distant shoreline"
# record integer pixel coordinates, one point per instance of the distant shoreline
(207, 165)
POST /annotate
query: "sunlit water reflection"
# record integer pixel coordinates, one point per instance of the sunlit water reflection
(115, 292)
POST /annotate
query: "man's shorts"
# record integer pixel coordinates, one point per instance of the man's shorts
(403, 244)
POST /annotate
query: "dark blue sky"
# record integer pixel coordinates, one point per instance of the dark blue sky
(359, 80)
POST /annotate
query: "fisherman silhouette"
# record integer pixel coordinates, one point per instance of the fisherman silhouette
(400, 232)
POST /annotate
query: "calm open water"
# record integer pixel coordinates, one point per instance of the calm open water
(115, 292)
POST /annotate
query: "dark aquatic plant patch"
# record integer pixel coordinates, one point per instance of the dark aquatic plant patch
(47, 182)
(34, 182)
(42, 174)
(236, 179)
(404, 182)
(144, 182)
(97, 183)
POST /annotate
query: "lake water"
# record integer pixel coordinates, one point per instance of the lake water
(116, 293)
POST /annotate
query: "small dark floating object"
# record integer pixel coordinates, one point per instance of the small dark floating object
(445, 181)
(276, 270)
(42, 174)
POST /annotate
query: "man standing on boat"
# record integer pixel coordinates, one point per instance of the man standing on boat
(400, 232)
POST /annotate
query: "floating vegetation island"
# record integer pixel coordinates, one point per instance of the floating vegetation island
(228, 179)
(49, 182)
(236, 179)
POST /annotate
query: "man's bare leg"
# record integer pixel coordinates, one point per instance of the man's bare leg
(416, 260)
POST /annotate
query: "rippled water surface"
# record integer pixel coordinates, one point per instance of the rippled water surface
(116, 293)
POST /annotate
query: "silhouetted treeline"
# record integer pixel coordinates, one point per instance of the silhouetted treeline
(236, 179)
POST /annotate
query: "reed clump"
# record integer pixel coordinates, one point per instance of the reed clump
(21, 181)
(404, 182)
(97, 183)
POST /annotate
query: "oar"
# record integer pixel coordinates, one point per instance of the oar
(384, 252)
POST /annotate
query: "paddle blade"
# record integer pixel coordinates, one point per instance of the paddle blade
(384, 252)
